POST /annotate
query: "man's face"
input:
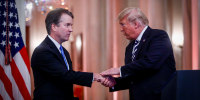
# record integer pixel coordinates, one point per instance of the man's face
(64, 28)
(129, 29)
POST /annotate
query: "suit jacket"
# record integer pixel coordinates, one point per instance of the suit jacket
(52, 79)
(151, 69)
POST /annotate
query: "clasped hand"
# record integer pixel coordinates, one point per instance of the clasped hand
(107, 81)
(105, 77)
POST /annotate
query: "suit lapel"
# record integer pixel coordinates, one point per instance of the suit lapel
(54, 49)
(143, 40)
(128, 53)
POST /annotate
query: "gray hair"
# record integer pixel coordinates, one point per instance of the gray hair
(133, 14)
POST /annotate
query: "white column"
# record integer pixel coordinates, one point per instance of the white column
(21, 16)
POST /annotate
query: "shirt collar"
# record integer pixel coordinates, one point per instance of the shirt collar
(55, 42)
(141, 34)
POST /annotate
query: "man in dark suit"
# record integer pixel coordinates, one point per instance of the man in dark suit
(149, 59)
(51, 63)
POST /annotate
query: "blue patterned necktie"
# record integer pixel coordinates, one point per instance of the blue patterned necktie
(63, 55)
(135, 49)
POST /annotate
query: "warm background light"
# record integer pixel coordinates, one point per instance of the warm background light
(177, 39)
(29, 6)
(78, 42)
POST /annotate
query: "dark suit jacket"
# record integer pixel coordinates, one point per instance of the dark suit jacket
(52, 79)
(152, 68)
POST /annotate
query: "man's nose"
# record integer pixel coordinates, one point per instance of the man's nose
(122, 30)
(70, 29)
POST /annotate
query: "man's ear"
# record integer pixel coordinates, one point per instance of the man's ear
(136, 24)
(53, 27)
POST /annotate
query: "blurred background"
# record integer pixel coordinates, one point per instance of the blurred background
(97, 44)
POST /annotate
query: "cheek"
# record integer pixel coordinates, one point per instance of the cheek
(132, 30)
(63, 30)
(125, 29)
(128, 31)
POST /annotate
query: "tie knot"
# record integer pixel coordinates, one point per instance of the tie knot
(136, 42)
(61, 48)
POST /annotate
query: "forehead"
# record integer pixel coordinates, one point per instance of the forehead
(66, 18)
(124, 19)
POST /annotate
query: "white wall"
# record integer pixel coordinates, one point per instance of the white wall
(21, 15)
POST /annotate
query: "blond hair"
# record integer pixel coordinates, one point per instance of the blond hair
(133, 14)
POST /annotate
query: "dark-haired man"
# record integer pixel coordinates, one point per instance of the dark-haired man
(51, 63)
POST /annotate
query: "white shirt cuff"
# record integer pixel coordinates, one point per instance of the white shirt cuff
(120, 71)
(93, 78)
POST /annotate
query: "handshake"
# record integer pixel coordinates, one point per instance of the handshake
(105, 77)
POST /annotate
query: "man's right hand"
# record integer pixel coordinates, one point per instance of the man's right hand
(107, 81)
(98, 77)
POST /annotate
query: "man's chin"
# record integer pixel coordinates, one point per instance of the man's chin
(128, 38)
(65, 40)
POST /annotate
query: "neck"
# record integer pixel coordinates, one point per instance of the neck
(55, 38)
(140, 30)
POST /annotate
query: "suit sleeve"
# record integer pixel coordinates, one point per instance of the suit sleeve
(157, 51)
(121, 84)
(47, 63)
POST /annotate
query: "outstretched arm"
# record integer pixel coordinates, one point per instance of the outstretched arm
(111, 71)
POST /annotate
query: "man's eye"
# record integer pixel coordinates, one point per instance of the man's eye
(122, 24)
(68, 25)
